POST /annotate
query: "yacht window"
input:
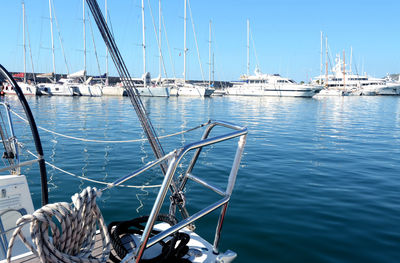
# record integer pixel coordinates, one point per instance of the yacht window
(57, 88)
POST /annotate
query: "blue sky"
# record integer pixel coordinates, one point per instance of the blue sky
(286, 36)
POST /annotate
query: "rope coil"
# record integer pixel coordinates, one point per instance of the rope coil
(72, 229)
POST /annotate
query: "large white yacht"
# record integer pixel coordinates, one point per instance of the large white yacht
(344, 83)
(271, 85)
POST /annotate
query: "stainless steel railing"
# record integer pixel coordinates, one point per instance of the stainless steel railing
(173, 159)
(238, 131)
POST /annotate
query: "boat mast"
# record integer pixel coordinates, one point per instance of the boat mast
(344, 71)
(326, 62)
(248, 47)
(106, 12)
(23, 36)
(209, 57)
(213, 69)
(52, 41)
(84, 41)
(351, 59)
(184, 43)
(143, 44)
(320, 78)
(159, 39)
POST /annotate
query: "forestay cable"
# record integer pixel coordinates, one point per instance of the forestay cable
(126, 79)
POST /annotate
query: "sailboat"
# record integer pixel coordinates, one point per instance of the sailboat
(106, 88)
(147, 88)
(54, 88)
(78, 81)
(27, 86)
(184, 88)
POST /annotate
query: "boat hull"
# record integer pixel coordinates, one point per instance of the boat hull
(112, 91)
(27, 89)
(56, 89)
(153, 91)
(272, 90)
(194, 91)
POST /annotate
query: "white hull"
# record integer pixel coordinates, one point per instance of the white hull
(88, 90)
(194, 91)
(391, 89)
(112, 91)
(173, 91)
(156, 91)
(56, 89)
(27, 89)
(333, 92)
(273, 90)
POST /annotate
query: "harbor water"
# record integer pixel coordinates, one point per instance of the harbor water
(319, 180)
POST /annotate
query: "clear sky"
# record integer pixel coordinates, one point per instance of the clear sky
(285, 33)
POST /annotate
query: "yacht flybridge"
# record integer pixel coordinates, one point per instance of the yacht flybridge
(271, 85)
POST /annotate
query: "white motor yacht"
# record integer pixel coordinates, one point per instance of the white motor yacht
(343, 83)
(271, 85)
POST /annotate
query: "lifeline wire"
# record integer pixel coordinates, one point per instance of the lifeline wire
(92, 180)
(104, 141)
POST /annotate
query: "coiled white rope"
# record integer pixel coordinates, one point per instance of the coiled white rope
(105, 141)
(72, 229)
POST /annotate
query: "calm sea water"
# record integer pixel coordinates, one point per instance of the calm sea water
(319, 180)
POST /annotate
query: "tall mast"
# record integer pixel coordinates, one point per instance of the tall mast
(209, 57)
(159, 38)
(213, 69)
(326, 62)
(344, 71)
(184, 43)
(106, 12)
(351, 58)
(248, 47)
(52, 41)
(84, 40)
(144, 41)
(320, 78)
(23, 36)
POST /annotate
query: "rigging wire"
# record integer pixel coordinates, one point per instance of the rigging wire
(157, 39)
(127, 80)
(60, 38)
(195, 39)
(94, 45)
(169, 48)
(255, 51)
